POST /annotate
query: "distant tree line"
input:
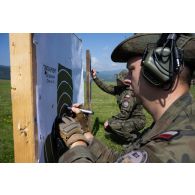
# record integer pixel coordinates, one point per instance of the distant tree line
(109, 76)
(4, 72)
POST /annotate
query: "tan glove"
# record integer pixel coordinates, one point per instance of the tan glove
(70, 131)
(82, 119)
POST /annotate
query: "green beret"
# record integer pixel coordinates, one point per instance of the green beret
(136, 44)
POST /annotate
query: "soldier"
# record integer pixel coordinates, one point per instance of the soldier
(125, 126)
(160, 69)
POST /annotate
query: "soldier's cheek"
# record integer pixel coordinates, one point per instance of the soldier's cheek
(192, 145)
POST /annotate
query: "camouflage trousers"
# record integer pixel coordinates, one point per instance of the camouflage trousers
(124, 131)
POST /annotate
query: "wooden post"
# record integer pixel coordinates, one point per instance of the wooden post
(88, 85)
(23, 82)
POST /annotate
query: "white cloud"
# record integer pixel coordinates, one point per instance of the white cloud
(114, 64)
(105, 64)
(94, 60)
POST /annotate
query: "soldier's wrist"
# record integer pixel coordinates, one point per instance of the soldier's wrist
(78, 143)
(94, 77)
(89, 137)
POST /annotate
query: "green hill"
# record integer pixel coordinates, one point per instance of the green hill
(107, 75)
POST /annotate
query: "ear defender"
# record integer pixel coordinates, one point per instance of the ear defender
(161, 64)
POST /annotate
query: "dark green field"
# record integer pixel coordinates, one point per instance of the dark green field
(6, 134)
(103, 105)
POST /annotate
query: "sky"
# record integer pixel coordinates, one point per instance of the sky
(4, 49)
(100, 45)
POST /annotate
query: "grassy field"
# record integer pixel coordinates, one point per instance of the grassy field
(6, 134)
(103, 105)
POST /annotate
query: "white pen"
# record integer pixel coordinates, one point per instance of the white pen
(83, 110)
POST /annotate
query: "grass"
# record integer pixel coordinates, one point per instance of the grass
(6, 133)
(104, 106)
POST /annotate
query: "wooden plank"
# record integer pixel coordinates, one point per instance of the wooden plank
(23, 97)
(88, 85)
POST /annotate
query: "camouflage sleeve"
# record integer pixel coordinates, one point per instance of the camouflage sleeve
(102, 153)
(174, 146)
(105, 87)
(126, 106)
(97, 152)
(77, 154)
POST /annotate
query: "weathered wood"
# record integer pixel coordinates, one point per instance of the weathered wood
(23, 82)
(88, 85)
(88, 69)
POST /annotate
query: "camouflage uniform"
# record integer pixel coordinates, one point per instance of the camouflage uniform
(170, 139)
(124, 126)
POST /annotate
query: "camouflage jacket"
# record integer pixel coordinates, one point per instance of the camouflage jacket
(170, 139)
(129, 108)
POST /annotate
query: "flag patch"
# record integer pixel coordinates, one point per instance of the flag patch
(125, 104)
(167, 136)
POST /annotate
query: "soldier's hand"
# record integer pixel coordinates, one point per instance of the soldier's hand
(106, 125)
(93, 73)
(80, 117)
(127, 82)
(71, 132)
(76, 108)
(89, 137)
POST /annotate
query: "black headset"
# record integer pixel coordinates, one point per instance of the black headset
(162, 62)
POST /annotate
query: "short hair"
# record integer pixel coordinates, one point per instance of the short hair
(187, 73)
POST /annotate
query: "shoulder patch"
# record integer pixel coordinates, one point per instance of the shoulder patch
(127, 96)
(125, 104)
(166, 136)
(135, 156)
